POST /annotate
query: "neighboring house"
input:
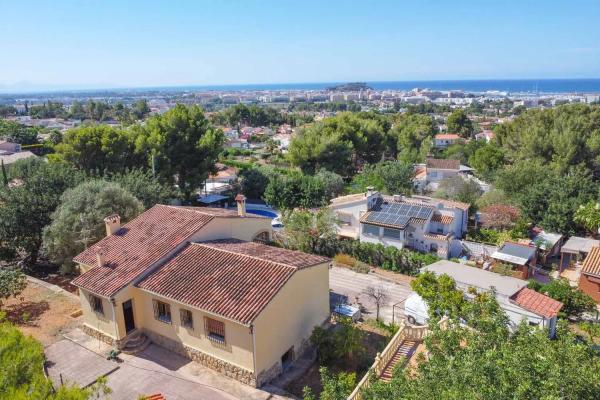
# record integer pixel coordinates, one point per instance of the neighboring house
(440, 169)
(589, 280)
(11, 152)
(241, 143)
(576, 249)
(522, 257)
(417, 222)
(517, 301)
(9, 146)
(486, 135)
(224, 174)
(549, 245)
(443, 140)
(192, 280)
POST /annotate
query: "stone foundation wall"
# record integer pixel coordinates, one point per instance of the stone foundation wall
(223, 367)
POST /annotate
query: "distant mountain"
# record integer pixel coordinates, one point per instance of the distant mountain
(350, 87)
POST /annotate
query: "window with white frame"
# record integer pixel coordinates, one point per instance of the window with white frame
(344, 218)
(162, 311)
(391, 233)
(370, 230)
(96, 304)
(187, 320)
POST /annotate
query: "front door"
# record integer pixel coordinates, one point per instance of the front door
(128, 315)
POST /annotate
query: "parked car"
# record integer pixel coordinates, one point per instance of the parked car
(416, 310)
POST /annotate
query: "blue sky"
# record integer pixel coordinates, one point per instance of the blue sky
(112, 43)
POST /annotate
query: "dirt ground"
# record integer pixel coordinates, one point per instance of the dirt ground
(42, 313)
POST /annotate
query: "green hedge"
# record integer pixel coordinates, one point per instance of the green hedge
(390, 258)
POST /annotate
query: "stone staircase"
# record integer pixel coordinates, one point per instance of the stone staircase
(401, 356)
(135, 342)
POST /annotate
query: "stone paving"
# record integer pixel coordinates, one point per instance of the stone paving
(154, 370)
(65, 360)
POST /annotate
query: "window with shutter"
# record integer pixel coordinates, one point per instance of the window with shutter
(162, 311)
(215, 330)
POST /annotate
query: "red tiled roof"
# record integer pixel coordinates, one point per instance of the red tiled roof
(441, 163)
(537, 303)
(141, 243)
(591, 264)
(443, 219)
(233, 279)
(447, 136)
(293, 258)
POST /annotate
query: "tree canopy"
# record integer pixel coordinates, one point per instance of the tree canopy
(488, 362)
(26, 209)
(22, 377)
(79, 220)
(458, 122)
(184, 144)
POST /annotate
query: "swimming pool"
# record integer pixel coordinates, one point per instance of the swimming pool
(264, 213)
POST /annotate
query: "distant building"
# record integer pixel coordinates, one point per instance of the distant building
(11, 152)
(518, 302)
(421, 223)
(589, 281)
(443, 140)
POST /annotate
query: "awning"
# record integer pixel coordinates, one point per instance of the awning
(211, 198)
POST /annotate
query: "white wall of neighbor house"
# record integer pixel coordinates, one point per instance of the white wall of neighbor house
(437, 175)
(354, 210)
(290, 317)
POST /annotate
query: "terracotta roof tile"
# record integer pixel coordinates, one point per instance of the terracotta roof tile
(537, 303)
(141, 243)
(437, 236)
(443, 219)
(441, 163)
(591, 264)
(447, 136)
(233, 279)
(293, 258)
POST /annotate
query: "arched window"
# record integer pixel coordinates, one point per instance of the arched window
(262, 237)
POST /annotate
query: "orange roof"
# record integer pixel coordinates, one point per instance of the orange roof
(443, 163)
(230, 278)
(443, 219)
(447, 136)
(537, 303)
(591, 265)
(135, 247)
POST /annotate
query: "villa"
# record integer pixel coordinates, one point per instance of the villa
(421, 223)
(199, 282)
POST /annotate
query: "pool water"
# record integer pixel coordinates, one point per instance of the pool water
(264, 213)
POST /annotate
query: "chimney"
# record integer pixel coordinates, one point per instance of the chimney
(100, 257)
(370, 190)
(241, 204)
(113, 224)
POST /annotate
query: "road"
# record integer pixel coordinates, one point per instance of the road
(348, 284)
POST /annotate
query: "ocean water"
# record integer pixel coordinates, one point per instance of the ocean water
(510, 86)
(502, 85)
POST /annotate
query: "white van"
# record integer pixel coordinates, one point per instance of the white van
(416, 310)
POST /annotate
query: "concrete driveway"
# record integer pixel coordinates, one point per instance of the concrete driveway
(154, 370)
(346, 284)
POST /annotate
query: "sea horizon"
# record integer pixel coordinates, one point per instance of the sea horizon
(542, 86)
